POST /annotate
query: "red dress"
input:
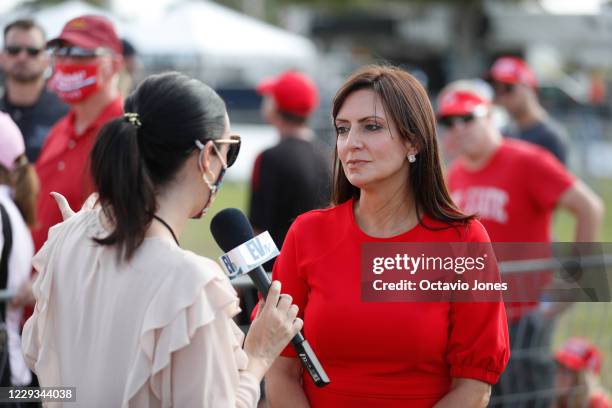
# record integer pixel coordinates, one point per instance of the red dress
(383, 354)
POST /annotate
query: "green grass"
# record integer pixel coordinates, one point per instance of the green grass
(564, 225)
(591, 320)
(196, 235)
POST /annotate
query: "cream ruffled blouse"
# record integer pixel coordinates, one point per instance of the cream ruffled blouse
(154, 332)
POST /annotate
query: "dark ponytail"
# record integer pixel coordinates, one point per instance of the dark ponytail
(132, 159)
(126, 191)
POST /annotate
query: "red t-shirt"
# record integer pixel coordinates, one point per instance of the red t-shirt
(63, 167)
(383, 354)
(514, 196)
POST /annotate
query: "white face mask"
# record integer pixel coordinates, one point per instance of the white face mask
(213, 187)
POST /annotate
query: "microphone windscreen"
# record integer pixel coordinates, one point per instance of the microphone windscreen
(231, 228)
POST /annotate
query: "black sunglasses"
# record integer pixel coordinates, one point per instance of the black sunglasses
(452, 120)
(234, 143)
(16, 50)
(78, 52)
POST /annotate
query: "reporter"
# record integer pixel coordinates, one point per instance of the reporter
(123, 313)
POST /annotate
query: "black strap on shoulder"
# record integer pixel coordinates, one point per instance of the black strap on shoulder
(5, 365)
(4, 257)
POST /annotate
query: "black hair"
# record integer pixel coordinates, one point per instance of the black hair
(24, 24)
(128, 48)
(131, 160)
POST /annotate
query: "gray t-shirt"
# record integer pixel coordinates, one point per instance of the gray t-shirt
(548, 134)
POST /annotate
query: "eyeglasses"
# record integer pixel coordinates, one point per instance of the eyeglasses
(78, 52)
(234, 143)
(450, 121)
(232, 154)
(15, 50)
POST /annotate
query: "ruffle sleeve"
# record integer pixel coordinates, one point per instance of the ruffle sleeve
(34, 328)
(197, 295)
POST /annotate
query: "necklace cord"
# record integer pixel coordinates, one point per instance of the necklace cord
(165, 224)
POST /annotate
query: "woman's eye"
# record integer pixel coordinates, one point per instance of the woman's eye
(373, 127)
(341, 130)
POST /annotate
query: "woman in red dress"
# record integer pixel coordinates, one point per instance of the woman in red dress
(388, 187)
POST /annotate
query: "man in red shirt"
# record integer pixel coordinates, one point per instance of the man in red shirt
(514, 188)
(87, 62)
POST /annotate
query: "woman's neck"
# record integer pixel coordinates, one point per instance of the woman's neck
(174, 212)
(385, 212)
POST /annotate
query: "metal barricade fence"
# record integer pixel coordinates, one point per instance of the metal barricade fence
(536, 331)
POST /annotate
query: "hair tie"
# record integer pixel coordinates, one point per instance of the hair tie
(133, 118)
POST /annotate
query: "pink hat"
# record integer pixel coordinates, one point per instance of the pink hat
(11, 142)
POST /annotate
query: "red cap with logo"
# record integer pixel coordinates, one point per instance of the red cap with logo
(461, 102)
(90, 32)
(293, 93)
(579, 354)
(512, 70)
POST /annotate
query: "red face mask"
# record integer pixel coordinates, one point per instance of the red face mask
(73, 83)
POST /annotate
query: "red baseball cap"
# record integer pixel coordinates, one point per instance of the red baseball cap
(579, 354)
(90, 32)
(293, 93)
(461, 102)
(512, 70)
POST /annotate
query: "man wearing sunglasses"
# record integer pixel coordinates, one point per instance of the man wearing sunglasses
(514, 187)
(515, 88)
(87, 60)
(26, 98)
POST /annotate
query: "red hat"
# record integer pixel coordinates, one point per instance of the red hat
(579, 354)
(293, 93)
(90, 32)
(512, 70)
(461, 102)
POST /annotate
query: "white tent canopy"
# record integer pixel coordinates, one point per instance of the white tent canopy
(204, 26)
(222, 37)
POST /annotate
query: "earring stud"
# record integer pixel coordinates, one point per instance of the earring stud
(411, 158)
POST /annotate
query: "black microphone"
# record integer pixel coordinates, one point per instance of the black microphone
(231, 228)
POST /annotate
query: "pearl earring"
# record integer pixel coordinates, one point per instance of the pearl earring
(411, 158)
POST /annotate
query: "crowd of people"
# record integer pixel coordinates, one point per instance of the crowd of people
(98, 178)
